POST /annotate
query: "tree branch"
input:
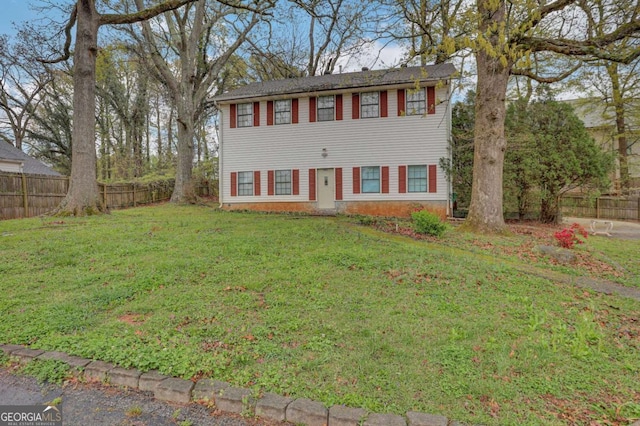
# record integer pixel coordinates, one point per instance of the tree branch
(540, 79)
(67, 43)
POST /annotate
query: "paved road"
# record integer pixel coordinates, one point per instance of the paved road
(627, 230)
(97, 405)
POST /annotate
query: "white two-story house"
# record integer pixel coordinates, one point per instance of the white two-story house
(357, 143)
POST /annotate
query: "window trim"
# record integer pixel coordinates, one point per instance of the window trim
(363, 104)
(242, 186)
(413, 179)
(289, 182)
(275, 112)
(422, 103)
(320, 108)
(363, 179)
(239, 114)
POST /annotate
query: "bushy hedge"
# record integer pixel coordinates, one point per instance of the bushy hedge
(425, 222)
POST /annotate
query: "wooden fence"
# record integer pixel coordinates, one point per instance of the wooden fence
(33, 195)
(620, 208)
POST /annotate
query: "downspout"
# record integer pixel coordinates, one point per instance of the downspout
(450, 151)
(220, 156)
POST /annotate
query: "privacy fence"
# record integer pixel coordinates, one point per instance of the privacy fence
(620, 208)
(32, 195)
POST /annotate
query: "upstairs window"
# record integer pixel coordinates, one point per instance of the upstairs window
(283, 111)
(417, 178)
(370, 178)
(245, 115)
(370, 105)
(245, 183)
(416, 102)
(283, 182)
(326, 108)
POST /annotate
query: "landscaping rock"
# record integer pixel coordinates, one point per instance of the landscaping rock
(150, 380)
(8, 349)
(98, 370)
(308, 412)
(203, 390)
(422, 419)
(339, 415)
(25, 355)
(385, 420)
(234, 400)
(273, 407)
(559, 254)
(75, 362)
(174, 390)
(124, 377)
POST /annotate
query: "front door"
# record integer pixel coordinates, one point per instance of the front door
(326, 189)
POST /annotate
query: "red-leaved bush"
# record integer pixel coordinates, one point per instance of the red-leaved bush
(568, 237)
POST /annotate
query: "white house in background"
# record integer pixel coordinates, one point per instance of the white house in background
(600, 122)
(358, 143)
(13, 160)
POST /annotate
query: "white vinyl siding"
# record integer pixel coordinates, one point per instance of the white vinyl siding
(245, 183)
(416, 102)
(388, 141)
(283, 111)
(245, 115)
(417, 178)
(326, 108)
(370, 105)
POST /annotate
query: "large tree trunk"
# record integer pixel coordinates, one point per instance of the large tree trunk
(183, 191)
(618, 105)
(83, 197)
(485, 209)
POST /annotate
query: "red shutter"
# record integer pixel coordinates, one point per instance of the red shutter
(232, 116)
(256, 114)
(312, 184)
(384, 111)
(234, 184)
(401, 103)
(433, 184)
(402, 179)
(295, 181)
(355, 106)
(431, 100)
(339, 184)
(269, 113)
(294, 111)
(271, 182)
(338, 107)
(312, 110)
(256, 183)
(385, 179)
(356, 180)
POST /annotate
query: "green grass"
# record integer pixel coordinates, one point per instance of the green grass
(326, 309)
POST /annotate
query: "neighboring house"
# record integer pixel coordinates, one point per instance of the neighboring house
(358, 143)
(601, 125)
(14, 160)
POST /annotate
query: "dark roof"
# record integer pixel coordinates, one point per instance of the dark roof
(29, 165)
(349, 80)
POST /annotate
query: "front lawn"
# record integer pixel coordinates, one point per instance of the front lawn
(327, 309)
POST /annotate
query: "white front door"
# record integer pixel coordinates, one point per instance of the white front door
(326, 189)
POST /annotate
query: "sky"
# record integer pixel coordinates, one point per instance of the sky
(14, 11)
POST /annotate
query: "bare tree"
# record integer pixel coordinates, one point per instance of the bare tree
(83, 197)
(187, 54)
(310, 37)
(22, 80)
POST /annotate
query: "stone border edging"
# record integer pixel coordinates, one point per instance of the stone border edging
(226, 397)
